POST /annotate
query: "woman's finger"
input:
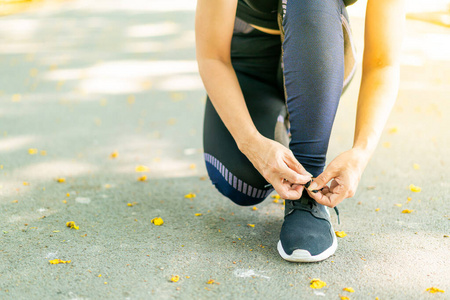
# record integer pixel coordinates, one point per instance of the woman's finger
(293, 163)
(335, 199)
(288, 191)
(293, 177)
(320, 198)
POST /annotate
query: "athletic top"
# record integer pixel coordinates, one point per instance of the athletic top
(260, 13)
(263, 12)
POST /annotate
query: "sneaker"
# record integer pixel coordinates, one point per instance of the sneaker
(307, 234)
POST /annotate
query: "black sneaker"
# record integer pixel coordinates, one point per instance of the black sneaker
(307, 234)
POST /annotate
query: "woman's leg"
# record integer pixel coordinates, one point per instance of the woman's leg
(313, 34)
(256, 59)
(313, 57)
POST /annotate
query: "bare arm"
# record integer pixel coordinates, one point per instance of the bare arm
(378, 92)
(381, 71)
(214, 28)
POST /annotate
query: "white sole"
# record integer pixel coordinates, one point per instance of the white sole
(300, 255)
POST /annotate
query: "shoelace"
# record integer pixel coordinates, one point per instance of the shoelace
(335, 208)
(311, 202)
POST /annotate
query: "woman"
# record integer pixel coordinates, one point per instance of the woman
(266, 65)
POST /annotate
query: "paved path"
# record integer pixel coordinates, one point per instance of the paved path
(82, 80)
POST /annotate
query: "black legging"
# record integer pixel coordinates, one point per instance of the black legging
(316, 37)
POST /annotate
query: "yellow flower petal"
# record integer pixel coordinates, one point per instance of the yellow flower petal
(393, 130)
(142, 178)
(434, 290)
(254, 208)
(61, 180)
(344, 297)
(71, 224)
(32, 151)
(340, 234)
(157, 221)
(43, 152)
(276, 196)
(192, 166)
(198, 214)
(317, 284)
(26, 183)
(34, 72)
(377, 209)
(59, 261)
(175, 278)
(407, 211)
(398, 204)
(190, 195)
(276, 201)
(16, 97)
(414, 188)
(251, 225)
(131, 204)
(114, 154)
(416, 166)
(142, 169)
(348, 289)
(211, 281)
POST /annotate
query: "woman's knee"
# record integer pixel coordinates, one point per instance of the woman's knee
(232, 187)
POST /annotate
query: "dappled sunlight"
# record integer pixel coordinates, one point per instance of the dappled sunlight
(166, 167)
(111, 86)
(51, 170)
(164, 157)
(137, 6)
(181, 82)
(120, 77)
(432, 47)
(34, 176)
(143, 47)
(412, 60)
(153, 29)
(136, 69)
(10, 144)
(29, 216)
(18, 29)
(24, 47)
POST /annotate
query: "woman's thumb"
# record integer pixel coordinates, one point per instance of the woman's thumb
(320, 181)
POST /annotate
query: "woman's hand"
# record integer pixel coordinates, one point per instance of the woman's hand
(345, 172)
(277, 165)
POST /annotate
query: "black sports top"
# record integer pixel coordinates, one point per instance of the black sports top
(263, 12)
(257, 12)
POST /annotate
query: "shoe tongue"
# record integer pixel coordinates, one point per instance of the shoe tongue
(304, 201)
(307, 200)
